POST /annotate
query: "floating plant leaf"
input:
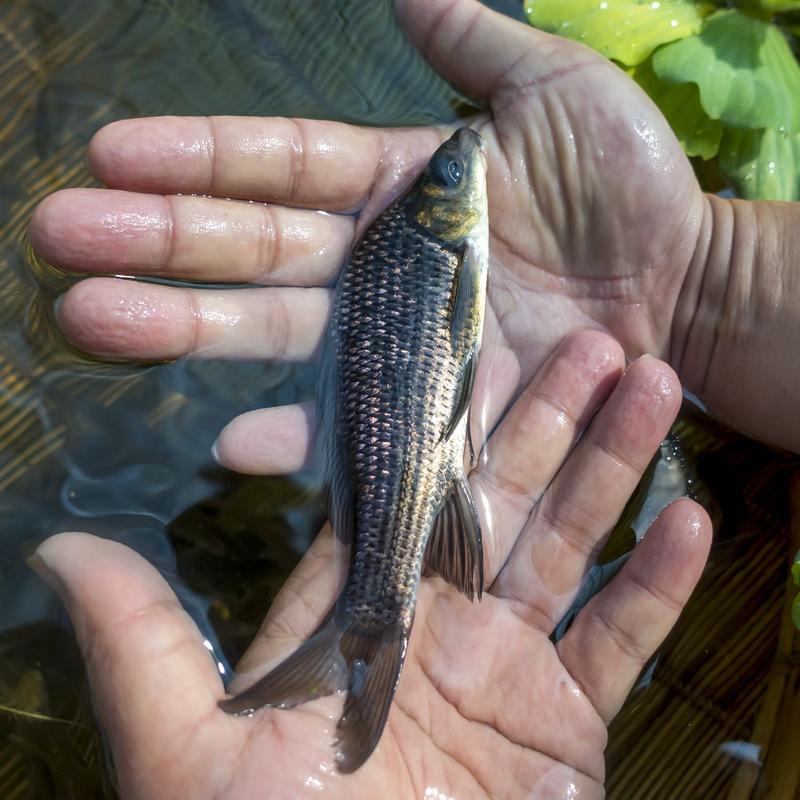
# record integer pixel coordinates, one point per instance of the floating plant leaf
(762, 165)
(778, 6)
(624, 30)
(744, 68)
(698, 134)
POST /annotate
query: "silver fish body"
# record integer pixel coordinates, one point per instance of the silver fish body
(394, 395)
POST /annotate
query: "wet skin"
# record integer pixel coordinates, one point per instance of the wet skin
(595, 218)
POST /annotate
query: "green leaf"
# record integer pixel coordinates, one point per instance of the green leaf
(744, 68)
(778, 6)
(698, 134)
(624, 30)
(763, 165)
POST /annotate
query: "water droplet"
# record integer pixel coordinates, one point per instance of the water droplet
(358, 676)
(314, 783)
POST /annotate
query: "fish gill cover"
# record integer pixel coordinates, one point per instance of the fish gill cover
(726, 79)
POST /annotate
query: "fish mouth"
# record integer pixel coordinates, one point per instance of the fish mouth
(467, 136)
(468, 139)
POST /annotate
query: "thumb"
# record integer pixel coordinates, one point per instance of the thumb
(151, 677)
(482, 52)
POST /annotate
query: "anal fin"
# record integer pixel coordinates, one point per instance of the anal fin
(455, 549)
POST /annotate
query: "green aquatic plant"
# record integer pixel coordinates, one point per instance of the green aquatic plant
(796, 603)
(727, 79)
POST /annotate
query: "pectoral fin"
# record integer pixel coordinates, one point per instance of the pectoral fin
(462, 400)
(455, 550)
(465, 314)
(467, 290)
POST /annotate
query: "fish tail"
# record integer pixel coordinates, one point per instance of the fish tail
(375, 664)
(333, 658)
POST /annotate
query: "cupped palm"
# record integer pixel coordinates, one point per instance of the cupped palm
(595, 217)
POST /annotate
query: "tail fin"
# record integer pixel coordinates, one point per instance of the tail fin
(331, 659)
(375, 664)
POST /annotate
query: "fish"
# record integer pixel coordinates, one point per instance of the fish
(394, 394)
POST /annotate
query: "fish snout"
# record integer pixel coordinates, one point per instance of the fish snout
(469, 139)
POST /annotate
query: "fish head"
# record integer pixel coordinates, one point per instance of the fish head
(449, 197)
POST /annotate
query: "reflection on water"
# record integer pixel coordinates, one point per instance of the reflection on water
(125, 452)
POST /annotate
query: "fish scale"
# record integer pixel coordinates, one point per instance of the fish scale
(398, 380)
(394, 392)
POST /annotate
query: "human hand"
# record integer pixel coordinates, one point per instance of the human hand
(470, 694)
(486, 705)
(594, 211)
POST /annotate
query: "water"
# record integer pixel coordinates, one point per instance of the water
(124, 451)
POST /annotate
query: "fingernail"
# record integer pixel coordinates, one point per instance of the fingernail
(39, 564)
(36, 563)
(215, 451)
(57, 303)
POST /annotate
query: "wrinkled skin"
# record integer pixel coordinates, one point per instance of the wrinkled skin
(595, 217)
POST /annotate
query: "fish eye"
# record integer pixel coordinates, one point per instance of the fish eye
(447, 171)
(455, 170)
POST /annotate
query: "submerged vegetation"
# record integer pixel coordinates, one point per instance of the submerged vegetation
(726, 78)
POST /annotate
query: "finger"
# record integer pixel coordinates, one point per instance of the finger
(310, 163)
(483, 52)
(90, 230)
(620, 629)
(117, 318)
(580, 507)
(269, 441)
(152, 678)
(530, 444)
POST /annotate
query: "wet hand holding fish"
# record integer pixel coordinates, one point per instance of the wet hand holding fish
(393, 405)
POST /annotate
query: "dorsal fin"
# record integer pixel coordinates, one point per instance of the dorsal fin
(333, 455)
